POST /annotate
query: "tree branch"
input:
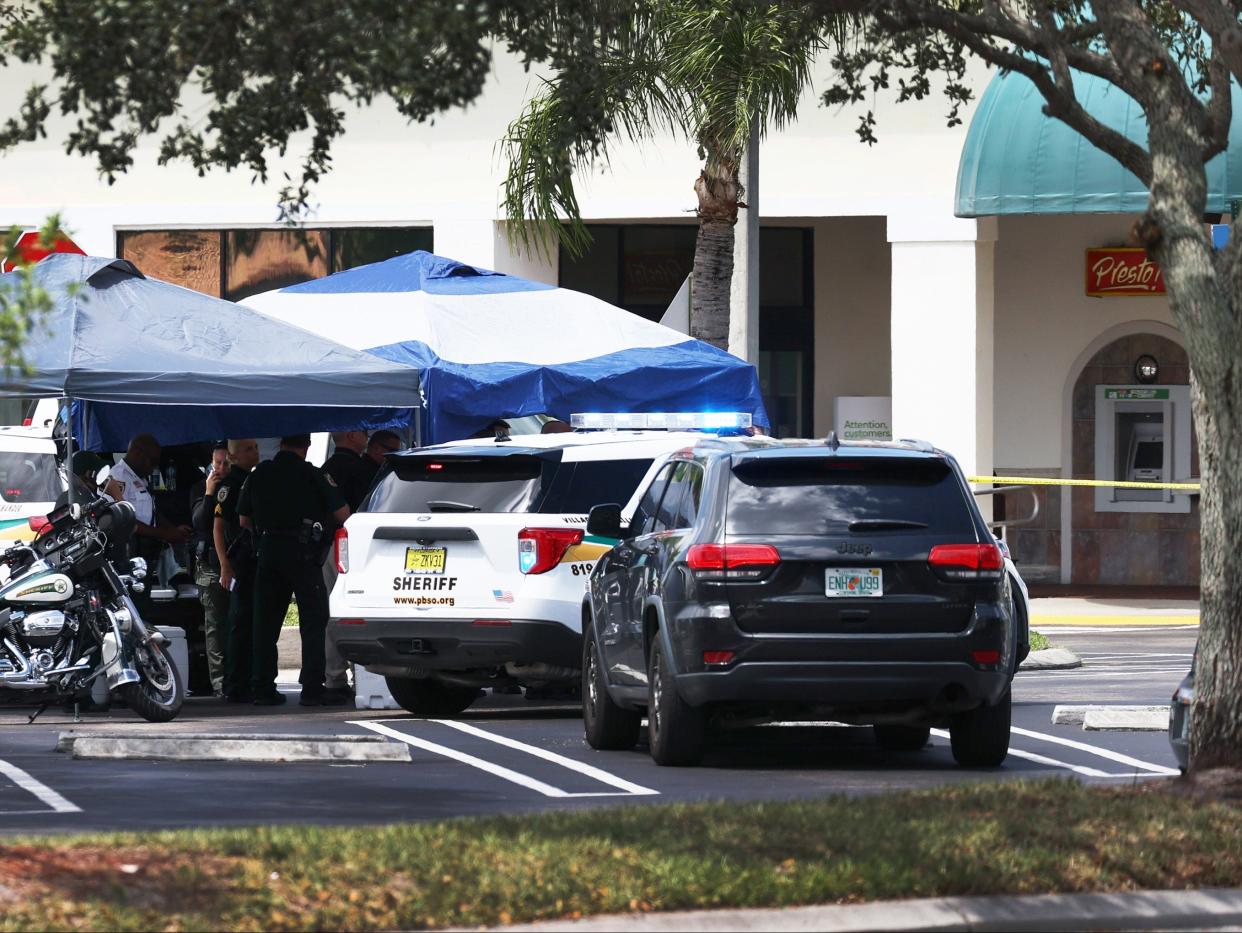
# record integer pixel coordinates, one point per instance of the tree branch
(1060, 103)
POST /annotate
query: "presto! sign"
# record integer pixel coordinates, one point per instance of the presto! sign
(1122, 271)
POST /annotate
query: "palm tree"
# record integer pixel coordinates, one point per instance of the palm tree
(702, 70)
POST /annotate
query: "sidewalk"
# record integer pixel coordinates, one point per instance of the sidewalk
(1136, 910)
(1109, 611)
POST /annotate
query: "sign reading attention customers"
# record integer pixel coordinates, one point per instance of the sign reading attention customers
(1122, 271)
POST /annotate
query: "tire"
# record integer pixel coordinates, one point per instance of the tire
(160, 693)
(980, 737)
(430, 697)
(608, 726)
(675, 730)
(902, 738)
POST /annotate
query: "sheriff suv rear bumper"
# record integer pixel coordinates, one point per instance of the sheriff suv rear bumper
(404, 646)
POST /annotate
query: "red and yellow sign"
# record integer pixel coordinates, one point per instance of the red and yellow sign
(1122, 271)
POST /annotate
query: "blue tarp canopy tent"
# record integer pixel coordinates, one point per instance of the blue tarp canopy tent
(495, 346)
(137, 354)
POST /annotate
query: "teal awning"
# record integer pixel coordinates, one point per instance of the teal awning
(1018, 161)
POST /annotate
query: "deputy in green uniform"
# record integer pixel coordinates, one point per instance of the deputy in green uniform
(291, 506)
(235, 550)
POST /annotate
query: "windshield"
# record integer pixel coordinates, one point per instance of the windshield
(815, 496)
(29, 477)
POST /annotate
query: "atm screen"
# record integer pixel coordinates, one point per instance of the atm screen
(1149, 455)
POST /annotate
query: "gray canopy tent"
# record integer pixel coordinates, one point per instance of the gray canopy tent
(134, 354)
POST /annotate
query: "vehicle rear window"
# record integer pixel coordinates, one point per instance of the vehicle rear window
(29, 477)
(460, 484)
(515, 483)
(578, 487)
(824, 495)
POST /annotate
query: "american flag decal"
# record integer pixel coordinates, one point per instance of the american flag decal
(502, 596)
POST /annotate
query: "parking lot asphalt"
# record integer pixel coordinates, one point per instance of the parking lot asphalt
(509, 755)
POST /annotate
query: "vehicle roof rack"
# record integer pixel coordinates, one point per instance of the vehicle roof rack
(924, 446)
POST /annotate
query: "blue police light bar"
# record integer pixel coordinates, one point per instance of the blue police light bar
(660, 421)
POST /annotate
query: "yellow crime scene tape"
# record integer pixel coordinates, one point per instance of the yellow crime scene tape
(1042, 481)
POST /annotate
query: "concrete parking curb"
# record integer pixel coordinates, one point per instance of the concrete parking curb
(1051, 659)
(1133, 910)
(233, 747)
(1104, 718)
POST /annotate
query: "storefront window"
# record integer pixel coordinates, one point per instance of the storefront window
(189, 258)
(640, 267)
(236, 264)
(261, 260)
(360, 246)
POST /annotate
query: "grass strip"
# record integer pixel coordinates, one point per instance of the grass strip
(1038, 642)
(1012, 837)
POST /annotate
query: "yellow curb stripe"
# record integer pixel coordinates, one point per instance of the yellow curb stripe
(1044, 481)
(1037, 620)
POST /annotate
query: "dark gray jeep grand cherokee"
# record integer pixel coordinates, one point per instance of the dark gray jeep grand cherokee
(762, 580)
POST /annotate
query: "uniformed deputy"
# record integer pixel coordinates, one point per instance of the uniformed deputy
(346, 468)
(235, 551)
(291, 506)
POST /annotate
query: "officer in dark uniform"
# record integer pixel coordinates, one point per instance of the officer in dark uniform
(291, 506)
(346, 468)
(235, 551)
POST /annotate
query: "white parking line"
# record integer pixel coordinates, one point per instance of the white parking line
(1041, 759)
(1095, 750)
(590, 771)
(508, 774)
(34, 786)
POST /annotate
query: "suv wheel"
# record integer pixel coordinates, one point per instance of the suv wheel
(902, 738)
(608, 726)
(674, 728)
(430, 697)
(980, 737)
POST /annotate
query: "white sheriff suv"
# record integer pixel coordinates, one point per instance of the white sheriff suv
(466, 566)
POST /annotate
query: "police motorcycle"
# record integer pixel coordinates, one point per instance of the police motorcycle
(67, 617)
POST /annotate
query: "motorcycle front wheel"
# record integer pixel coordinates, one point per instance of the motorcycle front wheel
(159, 695)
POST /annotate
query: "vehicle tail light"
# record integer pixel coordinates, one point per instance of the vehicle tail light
(499, 622)
(986, 657)
(967, 561)
(731, 561)
(38, 523)
(341, 548)
(541, 549)
(718, 657)
(351, 621)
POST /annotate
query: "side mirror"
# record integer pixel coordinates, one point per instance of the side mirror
(604, 521)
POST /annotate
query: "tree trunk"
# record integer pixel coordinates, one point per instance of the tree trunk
(718, 190)
(1205, 296)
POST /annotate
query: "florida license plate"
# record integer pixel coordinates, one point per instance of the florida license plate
(425, 559)
(853, 582)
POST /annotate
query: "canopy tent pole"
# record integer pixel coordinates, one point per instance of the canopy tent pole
(68, 403)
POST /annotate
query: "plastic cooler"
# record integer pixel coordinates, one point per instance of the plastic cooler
(371, 691)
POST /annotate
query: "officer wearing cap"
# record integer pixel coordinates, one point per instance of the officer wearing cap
(292, 507)
(235, 551)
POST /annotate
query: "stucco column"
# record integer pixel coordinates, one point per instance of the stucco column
(482, 242)
(942, 320)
